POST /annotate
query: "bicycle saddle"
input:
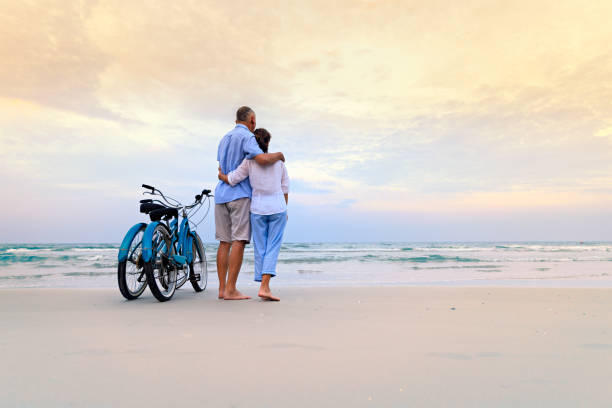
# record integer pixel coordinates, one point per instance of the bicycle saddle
(157, 215)
(148, 207)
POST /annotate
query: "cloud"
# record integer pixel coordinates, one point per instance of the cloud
(604, 132)
(302, 186)
(48, 57)
(402, 106)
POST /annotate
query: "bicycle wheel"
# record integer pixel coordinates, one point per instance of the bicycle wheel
(130, 273)
(198, 267)
(161, 275)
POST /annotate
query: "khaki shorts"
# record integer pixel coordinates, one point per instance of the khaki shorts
(233, 221)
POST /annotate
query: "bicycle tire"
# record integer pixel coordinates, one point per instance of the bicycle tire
(163, 282)
(130, 272)
(198, 253)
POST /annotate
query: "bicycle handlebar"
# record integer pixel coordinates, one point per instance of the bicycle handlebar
(177, 204)
(204, 192)
(187, 210)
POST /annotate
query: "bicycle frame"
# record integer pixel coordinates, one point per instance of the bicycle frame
(182, 237)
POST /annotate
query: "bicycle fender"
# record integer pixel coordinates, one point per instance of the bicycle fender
(127, 240)
(183, 236)
(147, 241)
(173, 224)
(189, 247)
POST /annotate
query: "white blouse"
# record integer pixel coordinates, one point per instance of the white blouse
(269, 183)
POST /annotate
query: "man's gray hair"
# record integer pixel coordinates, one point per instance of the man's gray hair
(243, 113)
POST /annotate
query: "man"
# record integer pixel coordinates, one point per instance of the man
(232, 204)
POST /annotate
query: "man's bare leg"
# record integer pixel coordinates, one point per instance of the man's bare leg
(235, 262)
(222, 263)
(264, 289)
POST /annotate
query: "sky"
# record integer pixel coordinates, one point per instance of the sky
(400, 120)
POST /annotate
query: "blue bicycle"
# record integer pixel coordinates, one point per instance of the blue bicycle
(165, 253)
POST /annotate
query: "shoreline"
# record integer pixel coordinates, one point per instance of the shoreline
(535, 283)
(351, 346)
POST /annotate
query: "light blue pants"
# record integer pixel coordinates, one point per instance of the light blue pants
(267, 238)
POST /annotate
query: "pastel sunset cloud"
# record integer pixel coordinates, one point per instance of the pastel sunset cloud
(393, 108)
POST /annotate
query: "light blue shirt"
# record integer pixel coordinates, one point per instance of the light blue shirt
(235, 146)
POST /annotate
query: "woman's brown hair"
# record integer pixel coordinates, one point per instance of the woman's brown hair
(263, 138)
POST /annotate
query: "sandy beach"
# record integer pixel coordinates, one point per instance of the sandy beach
(330, 347)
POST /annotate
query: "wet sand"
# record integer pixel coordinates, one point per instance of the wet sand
(324, 347)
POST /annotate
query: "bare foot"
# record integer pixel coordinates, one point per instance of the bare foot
(267, 295)
(221, 294)
(235, 295)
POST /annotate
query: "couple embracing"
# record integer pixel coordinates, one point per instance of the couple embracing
(251, 197)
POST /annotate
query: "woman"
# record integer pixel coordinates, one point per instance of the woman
(269, 200)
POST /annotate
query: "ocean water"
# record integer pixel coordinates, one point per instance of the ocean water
(554, 264)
